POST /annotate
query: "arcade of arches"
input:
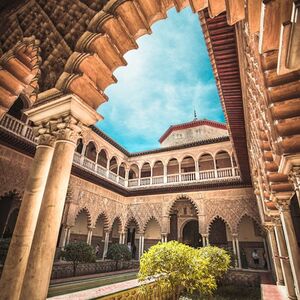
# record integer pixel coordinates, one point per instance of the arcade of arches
(65, 180)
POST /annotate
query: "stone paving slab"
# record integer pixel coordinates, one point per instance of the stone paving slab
(99, 292)
(273, 292)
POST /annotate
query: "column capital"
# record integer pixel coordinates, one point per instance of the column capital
(45, 139)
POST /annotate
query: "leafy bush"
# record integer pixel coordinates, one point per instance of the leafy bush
(118, 252)
(4, 245)
(178, 267)
(78, 252)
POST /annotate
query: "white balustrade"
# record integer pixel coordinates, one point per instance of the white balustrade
(145, 181)
(206, 175)
(236, 172)
(190, 176)
(225, 172)
(89, 164)
(112, 176)
(173, 178)
(101, 170)
(133, 182)
(77, 158)
(122, 181)
(157, 179)
(17, 127)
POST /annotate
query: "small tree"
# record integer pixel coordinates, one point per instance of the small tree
(176, 266)
(78, 252)
(118, 252)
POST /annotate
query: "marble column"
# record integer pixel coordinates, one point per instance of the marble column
(291, 242)
(275, 255)
(90, 235)
(205, 240)
(197, 177)
(284, 261)
(44, 243)
(106, 241)
(18, 253)
(238, 252)
(64, 237)
(165, 173)
(141, 245)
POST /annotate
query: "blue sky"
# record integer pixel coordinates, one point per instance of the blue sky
(166, 78)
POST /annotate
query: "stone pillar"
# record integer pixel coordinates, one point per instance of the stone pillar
(284, 261)
(107, 167)
(267, 254)
(96, 161)
(291, 242)
(63, 117)
(205, 239)
(275, 255)
(141, 245)
(126, 177)
(197, 170)
(82, 154)
(165, 173)
(236, 250)
(18, 253)
(164, 237)
(90, 235)
(44, 243)
(106, 241)
(215, 168)
(64, 239)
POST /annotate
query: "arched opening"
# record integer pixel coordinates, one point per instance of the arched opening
(158, 173)
(223, 164)
(11, 223)
(16, 110)
(145, 174)
(102, 159)
(191, 235)
(173, 170)
(122, 173)
(80, 230)
(295, 213)
(114, 236)
(79, 146)
(9, 202)
(99, 234)
(133, 176)
(132, 237)
(91, 151)
(152, 233)
(182, 211)
(206, 167)
(251, 244)
(113, 169)
(219, 234)
(188, 169)
(113, 165)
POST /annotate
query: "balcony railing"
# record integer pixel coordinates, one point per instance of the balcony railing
(20, 129)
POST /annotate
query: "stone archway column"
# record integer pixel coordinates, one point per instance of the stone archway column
(106, 241)
(236, 249)
(295, 178)
(291, 242)
(41, 257)
(64, 118)
(64, 240)
(90, 235)
(141, 245)
(275, 255)
(18, 253)
(205, 239)
(284, 260)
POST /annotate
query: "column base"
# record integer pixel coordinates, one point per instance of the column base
(280, 282)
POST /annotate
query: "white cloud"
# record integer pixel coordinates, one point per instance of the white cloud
(166, 78)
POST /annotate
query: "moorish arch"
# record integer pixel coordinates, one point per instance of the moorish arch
(82, 222)
(219, 232)
(132, 232)
(251, 239)
(152, 232)
(181, 211)
(115, 230)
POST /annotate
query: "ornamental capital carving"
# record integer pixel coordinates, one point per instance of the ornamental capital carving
(46, 139)
(283, 204)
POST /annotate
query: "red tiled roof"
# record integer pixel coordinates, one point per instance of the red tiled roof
(191, 124)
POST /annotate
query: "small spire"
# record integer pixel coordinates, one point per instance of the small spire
(195, 115)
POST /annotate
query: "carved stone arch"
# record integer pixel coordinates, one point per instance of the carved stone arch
(221, 150)
(94, 141)
(179, 197)
(205, 152)
(147, 222)
(87, 212)
(116, 219)
(218, 216)
(131, 218)
(253, 218)
(105, 218)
